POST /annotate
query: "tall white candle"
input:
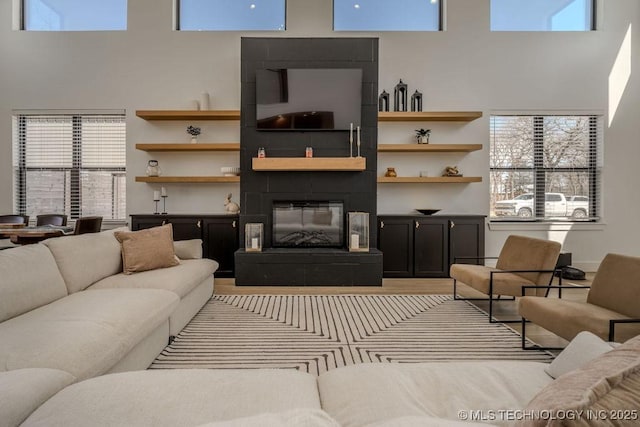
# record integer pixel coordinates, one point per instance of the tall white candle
(156, 195)
(254, 243)
(163, 192)
(351, 133)
(355, 241)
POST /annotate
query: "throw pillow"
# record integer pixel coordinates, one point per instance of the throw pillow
(147, 249)
(601, 390)
(582, 349)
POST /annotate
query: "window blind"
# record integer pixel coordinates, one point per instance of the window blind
(70, 163)
(545, 167)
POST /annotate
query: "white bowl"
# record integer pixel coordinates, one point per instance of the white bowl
(230, 171)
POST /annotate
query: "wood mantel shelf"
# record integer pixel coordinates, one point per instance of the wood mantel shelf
(188, 114)
(334, 164)
(428, 179)
(428, 116)
(430, 148)
(214, 146)
(187, 179)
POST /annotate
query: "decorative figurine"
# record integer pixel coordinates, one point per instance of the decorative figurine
(391, 173)
(416, 101)
(231, 207)
(383, 101)
(422, 135)
(451, 171)
(400, 97)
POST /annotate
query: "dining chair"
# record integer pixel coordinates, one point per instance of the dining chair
(88, 224)
(51, 219)
(14, 219)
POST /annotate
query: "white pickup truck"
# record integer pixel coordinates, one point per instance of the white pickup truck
(555, 205)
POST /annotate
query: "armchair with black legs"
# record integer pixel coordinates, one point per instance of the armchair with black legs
(611, 310)
(522, 261)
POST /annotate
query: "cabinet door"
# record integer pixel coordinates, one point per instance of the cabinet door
(145, 222)
(186, 228)
(466, 239)
(395, 240)
(221, 243)
(431, 245)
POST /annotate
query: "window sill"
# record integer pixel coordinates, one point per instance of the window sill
(547, 226)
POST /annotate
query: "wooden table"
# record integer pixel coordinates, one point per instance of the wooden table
(28, 235)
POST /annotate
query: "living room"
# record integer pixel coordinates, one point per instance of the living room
(460, 67)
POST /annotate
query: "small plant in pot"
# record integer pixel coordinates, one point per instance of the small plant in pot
(194, 132)
(422, 135)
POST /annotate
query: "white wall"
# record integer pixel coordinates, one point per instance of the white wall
(465, 67)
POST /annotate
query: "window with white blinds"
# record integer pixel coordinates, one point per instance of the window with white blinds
(73, 164)
(545, 167)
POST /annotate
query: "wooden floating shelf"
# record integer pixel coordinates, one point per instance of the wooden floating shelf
(187, 179)
(428, 179)
(309, 164)
(428, 116)
(431, 148)
(214, 146)
(189, 114)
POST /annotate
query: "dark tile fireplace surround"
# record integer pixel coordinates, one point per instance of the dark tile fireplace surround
(303, 266)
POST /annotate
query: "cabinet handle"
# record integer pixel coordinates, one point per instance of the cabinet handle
(452, 224)
(198, 224)
(417, 224)
(381, 224)
(233, 224)
(164, 222)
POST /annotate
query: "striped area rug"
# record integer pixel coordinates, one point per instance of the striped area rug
(318, 333)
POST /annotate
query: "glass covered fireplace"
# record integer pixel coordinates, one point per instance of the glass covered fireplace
(309, 224)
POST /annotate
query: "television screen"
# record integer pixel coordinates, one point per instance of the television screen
(308, 98)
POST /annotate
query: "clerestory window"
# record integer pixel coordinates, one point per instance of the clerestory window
(543, 15)
(74, 15)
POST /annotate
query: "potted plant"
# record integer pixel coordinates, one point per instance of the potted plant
(194, 132)
(422, 135)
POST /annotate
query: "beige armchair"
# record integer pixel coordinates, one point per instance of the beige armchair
(523, 261)
(613, 299)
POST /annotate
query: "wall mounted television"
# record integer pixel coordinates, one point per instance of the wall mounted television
(308, 99)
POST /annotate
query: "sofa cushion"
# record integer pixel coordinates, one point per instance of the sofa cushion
(180, 279)
(478, 277)
(30, 279)
(147, 249)
(85, 333)
(86, 258)
(608, 384)
(177, 397)
(582, 349)
(188, 249)
(362, 394)
(24, 390)
(568, 318)
(292, 418)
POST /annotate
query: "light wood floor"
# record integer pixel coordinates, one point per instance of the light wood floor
(502, 309)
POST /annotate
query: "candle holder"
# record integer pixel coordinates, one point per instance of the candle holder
(253, 232)
(358, 231)
(358, 140)
(164, 204)
(156, 199)
(351, 140)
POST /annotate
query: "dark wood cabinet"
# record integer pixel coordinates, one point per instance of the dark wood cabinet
(220, 240)
(219, 234)
(419, 246)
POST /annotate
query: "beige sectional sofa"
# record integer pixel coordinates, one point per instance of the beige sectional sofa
(68, 313)
(72, 323)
